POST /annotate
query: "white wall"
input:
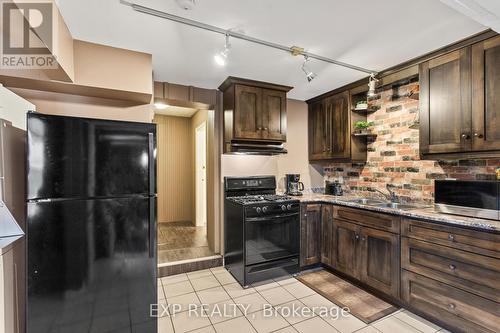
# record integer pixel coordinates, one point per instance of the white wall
(13, 108)
(296, 161)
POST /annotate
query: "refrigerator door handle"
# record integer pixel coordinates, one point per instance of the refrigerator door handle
(152, 160)
(152, 227)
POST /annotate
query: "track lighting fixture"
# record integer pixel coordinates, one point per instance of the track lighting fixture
(309, 74)
(221, 57)
(372, 85)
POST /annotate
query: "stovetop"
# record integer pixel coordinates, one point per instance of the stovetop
(261, 199)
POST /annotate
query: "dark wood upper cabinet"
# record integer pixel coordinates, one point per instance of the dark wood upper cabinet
(330, 127)
(253, 111)
(274, 115)
(247, 112)
(486, 95)
(310, 235)
(459, 102)
(445, 108)
(317, 131)
(338, 129)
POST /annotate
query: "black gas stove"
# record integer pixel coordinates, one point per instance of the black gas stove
(261, 230)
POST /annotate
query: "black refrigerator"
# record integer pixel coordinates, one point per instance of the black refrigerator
(91, 225)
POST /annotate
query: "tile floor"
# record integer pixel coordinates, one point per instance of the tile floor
(216, 288)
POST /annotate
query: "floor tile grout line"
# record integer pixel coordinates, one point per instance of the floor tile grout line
(260, 293)
(404, 322)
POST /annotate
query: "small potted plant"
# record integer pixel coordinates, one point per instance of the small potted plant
(363, 127)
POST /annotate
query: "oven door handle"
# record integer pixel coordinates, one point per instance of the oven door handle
(270, 217)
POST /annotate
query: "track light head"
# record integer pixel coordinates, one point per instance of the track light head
(372, 85)
(310, 75)
(221, 57)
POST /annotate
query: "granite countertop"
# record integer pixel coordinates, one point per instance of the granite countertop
(426, 213)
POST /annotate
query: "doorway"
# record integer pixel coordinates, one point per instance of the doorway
(182, 165)
(201, 174)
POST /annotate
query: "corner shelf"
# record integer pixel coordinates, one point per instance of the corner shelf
(364, 135)
(365, 110)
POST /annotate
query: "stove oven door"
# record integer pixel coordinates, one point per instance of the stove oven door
(269, 238)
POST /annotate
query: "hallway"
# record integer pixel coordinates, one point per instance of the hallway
(181, 241)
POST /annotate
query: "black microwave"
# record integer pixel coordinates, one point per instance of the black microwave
(469, 198)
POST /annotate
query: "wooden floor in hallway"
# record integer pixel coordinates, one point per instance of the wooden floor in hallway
(181, 241)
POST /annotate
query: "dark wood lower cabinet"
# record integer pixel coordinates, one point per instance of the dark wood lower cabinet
(367, 254)
(310, 235)
(345, 241)
(446, 273)
(327, 250)
(380, 264)
(459, 310)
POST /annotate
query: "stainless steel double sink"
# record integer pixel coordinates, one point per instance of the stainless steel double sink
(383, 204)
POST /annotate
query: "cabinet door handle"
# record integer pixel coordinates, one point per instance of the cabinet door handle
(478, 135)
(451, 237)
(452, 267)
(451, 306)
(356, 236)
(265, 128)
(465, 136)
(260, 128)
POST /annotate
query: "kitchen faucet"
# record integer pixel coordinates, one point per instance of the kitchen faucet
(392, 197)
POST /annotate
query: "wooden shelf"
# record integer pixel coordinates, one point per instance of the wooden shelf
(365, 110)
(366, 135)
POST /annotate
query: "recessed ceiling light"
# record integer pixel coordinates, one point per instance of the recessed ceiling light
(161, 105)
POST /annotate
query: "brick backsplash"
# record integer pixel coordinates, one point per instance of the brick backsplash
(393, 157)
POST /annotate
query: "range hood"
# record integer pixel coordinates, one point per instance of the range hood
(255, 148)
(10, 231)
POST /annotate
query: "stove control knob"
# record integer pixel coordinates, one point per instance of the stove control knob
(264, 209)
(258, 210)
(283, 207)
(289, 207)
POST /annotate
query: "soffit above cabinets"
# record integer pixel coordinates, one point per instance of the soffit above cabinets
(177, 111)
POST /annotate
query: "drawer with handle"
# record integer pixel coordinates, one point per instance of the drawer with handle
(476, 241)
(461, 310)
(475, 273)
(368, 218)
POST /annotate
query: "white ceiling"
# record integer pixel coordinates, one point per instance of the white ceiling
(377, 36)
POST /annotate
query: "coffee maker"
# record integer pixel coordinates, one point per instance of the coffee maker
(293, 184)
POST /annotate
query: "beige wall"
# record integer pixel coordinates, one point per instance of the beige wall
(174, 169)
(297, 160)
(112, 68)
(83, 106)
